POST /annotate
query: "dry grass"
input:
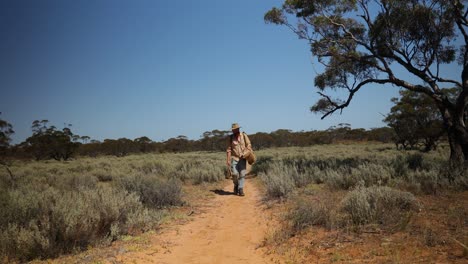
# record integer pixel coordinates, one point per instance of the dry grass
(344, 203)
(365, 203)
(49, 208)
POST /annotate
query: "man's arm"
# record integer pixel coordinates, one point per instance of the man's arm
(228, 154)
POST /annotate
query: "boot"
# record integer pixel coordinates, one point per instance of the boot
(241, 192)
(236, 189)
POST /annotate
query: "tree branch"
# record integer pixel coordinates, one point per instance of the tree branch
(370, 48)
(350, 96)
(443, 80)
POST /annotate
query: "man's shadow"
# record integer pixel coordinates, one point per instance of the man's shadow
(222, 192)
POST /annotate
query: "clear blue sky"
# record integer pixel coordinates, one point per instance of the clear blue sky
(161, 69)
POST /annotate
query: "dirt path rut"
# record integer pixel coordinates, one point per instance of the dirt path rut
(230, 231)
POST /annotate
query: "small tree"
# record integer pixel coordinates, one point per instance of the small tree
(85, 139)
(48, 142)
(6, 130)
(364, 42)
(416, 120)
(143, 143)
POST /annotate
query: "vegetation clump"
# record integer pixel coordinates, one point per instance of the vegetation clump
(49, 207)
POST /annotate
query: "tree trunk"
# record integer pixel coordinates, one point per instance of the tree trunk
(457, 131)
(458, 139)
(457, 135)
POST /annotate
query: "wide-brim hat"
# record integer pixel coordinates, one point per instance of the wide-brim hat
(235, 126)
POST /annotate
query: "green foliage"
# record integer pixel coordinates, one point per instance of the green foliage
(56, 207)
(262, 164)
(385, 207)
(48, 142)
(307, 213)
(378, 204)
(363, 175)
(354, 48)
(274, 16)
(46, 222)
(278, 181)
(416, 172)
(153, 191)
(120, 147)
(354, 187)
(364, 43)
(6, 130)
(415, 120)
(216, 140)
(199, 171)
(415, 161)
(143, 143)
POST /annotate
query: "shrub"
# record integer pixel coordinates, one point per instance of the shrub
(429, 181)
(262, 164)
(460, 181)
(153, 166)
(53, 207)
(312, 175)
(198, 171)
(44, 223)
(415, 161)
(306, 213)
(153, 192)
(303, 164)
(144, 220)
(400, 167)
(336, 180)
(278, 181)
(300, 174)
(103, 175)
(367, 174)
(378, 205)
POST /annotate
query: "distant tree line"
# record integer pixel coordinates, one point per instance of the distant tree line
(49, 142)
(413, 123)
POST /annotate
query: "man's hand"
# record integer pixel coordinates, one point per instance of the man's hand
(228, 163)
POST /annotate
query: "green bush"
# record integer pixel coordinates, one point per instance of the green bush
(303, 163)
(49, 207)
(278, 181)
(367, 174)
(415, 161)
(337, 180)
(400, 166)
(306, 213)
(198, 171)
(262, 164)
(378, 205)
(153, 191)
(44, 223)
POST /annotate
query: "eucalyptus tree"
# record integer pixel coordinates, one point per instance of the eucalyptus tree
(415, 120)
(404, 43)
(6, 130)
(48, 142)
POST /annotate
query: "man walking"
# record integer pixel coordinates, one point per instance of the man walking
(239, 144)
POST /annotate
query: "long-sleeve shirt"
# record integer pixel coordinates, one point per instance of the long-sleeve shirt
(238, 145)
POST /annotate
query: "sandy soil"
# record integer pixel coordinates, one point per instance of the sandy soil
(230, 231)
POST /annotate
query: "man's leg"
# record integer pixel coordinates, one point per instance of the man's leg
(235, 175)
(242, 169)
